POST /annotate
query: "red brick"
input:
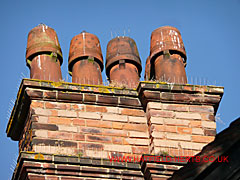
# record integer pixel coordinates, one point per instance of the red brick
(202, 139)
(59, 120)
(164, 128)
(157, 113)
(117, 140)
(59, 135)
(196, 124)
(78, 137)
(79, 122)
(175, 107)
(57, 105)
(140, 150)
(90, 108)
(132, 112)
(208, 117)
(135, 127)
(37, 104)
(196, 108)
(115, 132)
(184, 130)
(117, 125)
(98, 123)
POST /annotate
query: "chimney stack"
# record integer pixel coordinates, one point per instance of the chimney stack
(44, 55)
(123, 64)
(168, 55)
(85, 61)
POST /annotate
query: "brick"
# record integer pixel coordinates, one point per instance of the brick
(114, 117)
(163, 128)
(33, 93)
(67, 113)
(91, 108)
(41, 119)
(154, 105)
(137, 119)
(175, 107)
(140, 150)
(51, 127)
(107, 99)
(117, 140)
(157, 113)
(130, 101)
(174, 136)
(135, 127)
(197, 131)
(59, 135)
(43, 112)
(70, 96)
(196, 108)
(208, 124)
(138, 134)
(191, 145)
(67, 128)
(59, 120)
(78, 107)
(208, 117)
(177, 122)
(40, 133)
(165, 143)
(53, 142)
(117, 125)
(89, 98)
(90, 130)
(115, 132)
(54, 112)
(184, 130)
(50, 94)
(151, 95)
(197, 124)
(114, 110)
(134, 141)
(157, 134)
(117, 148)
(89, 115)
(156, 120)
(79, 122)
(202, 139)
(37, 104)
(184, 115)
(57, 105)
(78, 137)
(209, 132)
(97, 123)
(132, 112)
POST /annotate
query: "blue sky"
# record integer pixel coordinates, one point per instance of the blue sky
(210, 31)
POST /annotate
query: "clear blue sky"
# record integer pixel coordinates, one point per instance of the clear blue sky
(210, 31)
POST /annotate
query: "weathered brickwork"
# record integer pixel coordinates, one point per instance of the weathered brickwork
(89, 130)
(179, 129)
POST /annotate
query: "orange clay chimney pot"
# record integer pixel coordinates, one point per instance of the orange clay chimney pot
(44, 55)
(123, 64)
(85, 61)
(168, 55)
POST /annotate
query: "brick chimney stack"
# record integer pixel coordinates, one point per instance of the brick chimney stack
(70, 130)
